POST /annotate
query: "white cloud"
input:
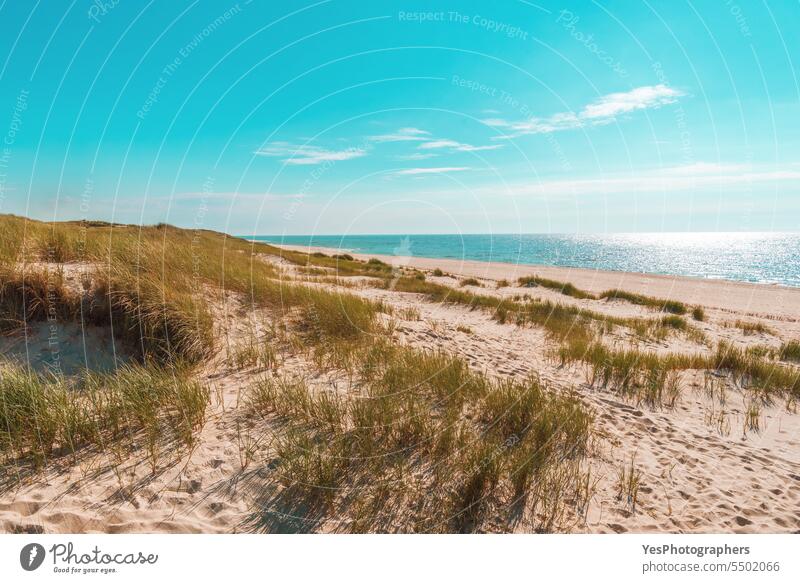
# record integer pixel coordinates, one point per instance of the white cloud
(457, 146)
(677, 178)
(440, 170)
(640, 98)
(415, 156)
(428, 142)
(438, 144)
(468, 148)
(305, 155)
(496, 122)
(604, 110)
(402, 135)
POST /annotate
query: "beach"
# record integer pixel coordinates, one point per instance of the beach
(768, 301)
(704, 454)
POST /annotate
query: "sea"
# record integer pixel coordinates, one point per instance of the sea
(766, 258)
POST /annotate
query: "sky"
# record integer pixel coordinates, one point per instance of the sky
(353, 117)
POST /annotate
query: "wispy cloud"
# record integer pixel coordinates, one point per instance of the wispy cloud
(676, 178)
(439, 170)
(416, 156)
(457, 146)
(604, 110)
(402, 135)
(305, 155)
(640, 98)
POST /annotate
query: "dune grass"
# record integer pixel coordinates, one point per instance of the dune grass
(749, 328)
(560, 321)
(565, 288)
(671, 306)
(756, 373)
(344, 264)
(790, 351)
(674, 322)
(450, 443)
(148, 407)
(334, 315)
(151, 284)
(33, 295)
(648, 376)
(254, 353)
(644, 377)
(568, 289)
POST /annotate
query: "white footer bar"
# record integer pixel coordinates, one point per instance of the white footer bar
(405, 558)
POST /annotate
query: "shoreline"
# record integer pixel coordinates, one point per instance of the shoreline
(771, 300)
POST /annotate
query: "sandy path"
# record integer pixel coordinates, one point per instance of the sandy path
(695, 479)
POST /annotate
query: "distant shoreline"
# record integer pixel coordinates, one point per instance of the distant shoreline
(758, 298)
(757, 258)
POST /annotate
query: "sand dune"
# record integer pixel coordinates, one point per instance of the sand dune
(697, 474)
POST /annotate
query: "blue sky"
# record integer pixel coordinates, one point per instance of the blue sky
(336, 116)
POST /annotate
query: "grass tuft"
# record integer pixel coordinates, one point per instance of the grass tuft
(790, 351)
(43, 416)
(565, 288)
(749, 328)
(451, 446)
(671, 306)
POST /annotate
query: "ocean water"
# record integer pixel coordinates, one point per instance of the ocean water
(770, 258)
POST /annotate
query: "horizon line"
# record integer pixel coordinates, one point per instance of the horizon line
(781, 232)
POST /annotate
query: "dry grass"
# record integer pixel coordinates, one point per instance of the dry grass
(671, 306)
(43, 417)
(749, 328)
(563, 322)
(27, 295)
(152, 284)
(454, 448)
(650, 377)
(790, 351)
(629, 481)
(254, 353)
(565, 288)
(643, 377)
(756, 373)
